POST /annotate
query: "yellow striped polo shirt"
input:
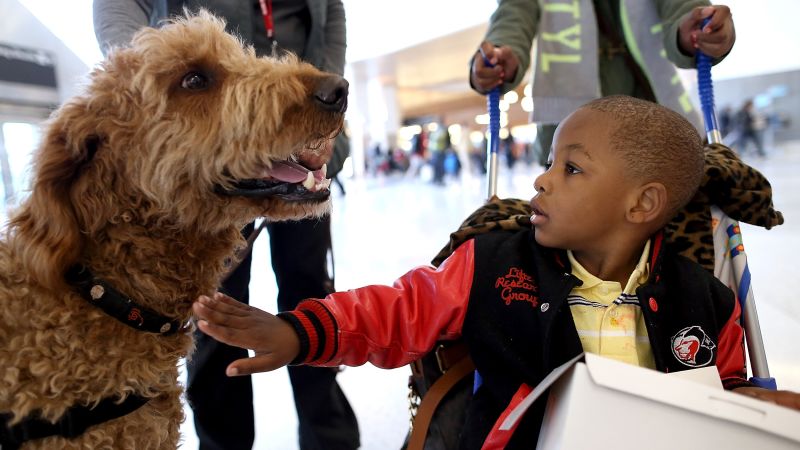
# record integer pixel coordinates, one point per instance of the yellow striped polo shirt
(609, 319)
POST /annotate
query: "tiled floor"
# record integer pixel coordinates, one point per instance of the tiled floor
(383, 227)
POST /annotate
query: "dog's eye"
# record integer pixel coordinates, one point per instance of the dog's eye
(194, 81)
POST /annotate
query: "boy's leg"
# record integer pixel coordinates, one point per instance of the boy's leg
(222, 406)
(300, 260)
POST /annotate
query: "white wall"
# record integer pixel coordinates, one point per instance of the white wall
(767, 38)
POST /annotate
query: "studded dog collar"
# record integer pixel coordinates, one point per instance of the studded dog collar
(117, 305)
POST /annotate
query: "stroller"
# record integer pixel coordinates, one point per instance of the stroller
(706, 231)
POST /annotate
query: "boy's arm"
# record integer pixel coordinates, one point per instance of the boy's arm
(388, 326)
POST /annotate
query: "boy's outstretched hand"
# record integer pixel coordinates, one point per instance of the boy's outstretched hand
(273, 340)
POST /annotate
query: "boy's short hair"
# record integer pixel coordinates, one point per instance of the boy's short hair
(657, 144)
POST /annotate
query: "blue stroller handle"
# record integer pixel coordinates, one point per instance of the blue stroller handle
(492, 143)
(706, 90)
(755, 344)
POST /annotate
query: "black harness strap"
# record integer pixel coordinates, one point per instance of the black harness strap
(73, 423)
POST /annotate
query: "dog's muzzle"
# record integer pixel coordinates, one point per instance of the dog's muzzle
(286, 180)
(290, 192)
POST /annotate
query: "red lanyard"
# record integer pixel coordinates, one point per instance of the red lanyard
(266, 11)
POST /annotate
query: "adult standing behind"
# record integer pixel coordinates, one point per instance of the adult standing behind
(222, 406)
(637, 42)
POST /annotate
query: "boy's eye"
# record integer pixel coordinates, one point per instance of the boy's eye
(548, 165)
(572, 170)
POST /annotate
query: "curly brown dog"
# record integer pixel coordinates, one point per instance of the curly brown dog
(140, 188)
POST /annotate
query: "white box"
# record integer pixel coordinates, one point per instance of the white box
(597, 402)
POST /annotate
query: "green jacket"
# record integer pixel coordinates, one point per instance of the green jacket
(515, 24)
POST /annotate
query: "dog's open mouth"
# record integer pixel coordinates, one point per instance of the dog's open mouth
(287, 180)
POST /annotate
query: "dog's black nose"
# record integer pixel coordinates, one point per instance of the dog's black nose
(331, 93)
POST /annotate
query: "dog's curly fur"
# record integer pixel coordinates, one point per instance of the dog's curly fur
(124, 183)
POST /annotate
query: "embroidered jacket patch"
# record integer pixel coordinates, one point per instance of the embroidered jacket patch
(692, 347)
(517, 285)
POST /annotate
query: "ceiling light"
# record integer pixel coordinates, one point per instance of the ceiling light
(511, 97)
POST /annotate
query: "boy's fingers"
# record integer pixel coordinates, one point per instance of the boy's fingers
(256, 364)
(220, 318)
(225, 305)
(221, 333)
(228, 301)
(209, 309)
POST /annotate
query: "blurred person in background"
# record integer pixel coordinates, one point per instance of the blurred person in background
(637, 44)
(438, 145)
(223, 406)
(750, 128)
(725, 120)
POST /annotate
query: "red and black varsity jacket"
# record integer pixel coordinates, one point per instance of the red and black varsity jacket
(506, 296)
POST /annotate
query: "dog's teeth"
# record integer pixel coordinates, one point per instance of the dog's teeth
(324, 184)
(309, 181)
(324, 168)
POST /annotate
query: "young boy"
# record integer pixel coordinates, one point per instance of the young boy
(592, 274)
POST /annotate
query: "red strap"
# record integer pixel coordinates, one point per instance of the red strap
(656, 248)
(266, 11)
(498, 439)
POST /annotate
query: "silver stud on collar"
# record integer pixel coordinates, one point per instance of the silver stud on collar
(97, 292)
(165, 328)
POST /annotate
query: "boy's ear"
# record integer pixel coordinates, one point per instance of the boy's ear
(649, 204)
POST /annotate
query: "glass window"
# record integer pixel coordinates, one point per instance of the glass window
(18, 142)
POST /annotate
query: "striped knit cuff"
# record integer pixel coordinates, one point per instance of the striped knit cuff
(734, 383)
(317, 330)
(292, 319)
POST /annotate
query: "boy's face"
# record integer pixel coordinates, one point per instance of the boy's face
(581, 198)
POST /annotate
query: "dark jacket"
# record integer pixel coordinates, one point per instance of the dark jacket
(116, 21)
(507, 297)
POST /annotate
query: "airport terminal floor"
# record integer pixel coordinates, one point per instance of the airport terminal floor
(385, 226)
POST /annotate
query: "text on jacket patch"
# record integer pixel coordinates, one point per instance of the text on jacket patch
(517, 285)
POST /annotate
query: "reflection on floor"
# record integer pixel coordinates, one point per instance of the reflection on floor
(383, 227)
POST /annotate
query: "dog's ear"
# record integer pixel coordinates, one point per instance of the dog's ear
(44, 232)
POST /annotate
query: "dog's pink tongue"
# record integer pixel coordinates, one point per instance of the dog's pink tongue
(288, 171)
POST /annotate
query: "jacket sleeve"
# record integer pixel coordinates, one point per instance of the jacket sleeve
(116, 21)
(335, 38)
(730, 356)
(388, 326)
(514, 23)
(671, 13)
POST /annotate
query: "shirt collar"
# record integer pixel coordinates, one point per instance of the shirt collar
(637, 278)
